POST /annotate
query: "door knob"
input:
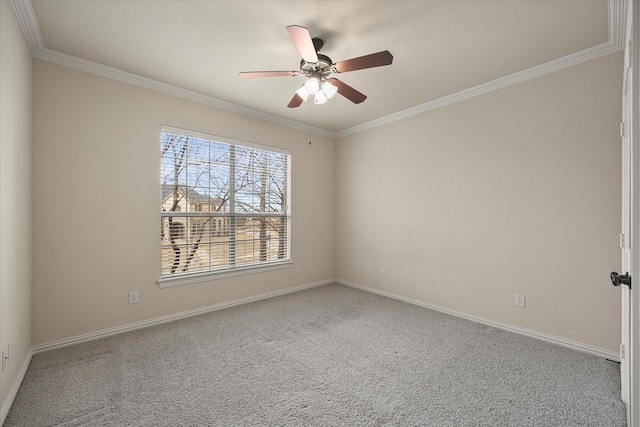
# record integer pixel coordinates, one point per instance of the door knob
(618, 279)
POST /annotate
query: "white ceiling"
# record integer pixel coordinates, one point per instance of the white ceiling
(440, 48)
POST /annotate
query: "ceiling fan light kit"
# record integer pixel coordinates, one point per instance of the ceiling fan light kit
(322, 93)
(317, 68)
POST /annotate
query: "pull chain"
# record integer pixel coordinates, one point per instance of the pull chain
(309, 121)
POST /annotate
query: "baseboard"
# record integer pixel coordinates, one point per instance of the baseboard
(607, 354)
(169, 318)
(13, 391)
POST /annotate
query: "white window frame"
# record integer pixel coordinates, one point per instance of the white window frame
(231, 271)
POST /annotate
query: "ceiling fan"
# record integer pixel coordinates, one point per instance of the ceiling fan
(317, 68)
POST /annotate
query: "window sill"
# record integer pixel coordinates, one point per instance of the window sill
(169, 282)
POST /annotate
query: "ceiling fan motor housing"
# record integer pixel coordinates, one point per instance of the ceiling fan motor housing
(323, 66)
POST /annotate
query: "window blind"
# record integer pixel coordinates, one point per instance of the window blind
(224, 204)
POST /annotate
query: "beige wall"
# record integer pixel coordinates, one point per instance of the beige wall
(15, 198)
(515, 191)
(96, 203)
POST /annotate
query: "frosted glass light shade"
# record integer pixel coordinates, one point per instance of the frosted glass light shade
(302, 93)
(329, 90)
(320, 97)
(312, 86)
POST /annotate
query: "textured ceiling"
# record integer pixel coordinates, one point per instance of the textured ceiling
(439, 47)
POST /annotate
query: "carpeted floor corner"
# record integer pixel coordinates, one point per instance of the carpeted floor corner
(327, 356)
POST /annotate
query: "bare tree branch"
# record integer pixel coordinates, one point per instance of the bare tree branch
(197, 173)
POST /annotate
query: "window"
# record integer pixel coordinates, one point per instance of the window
(224, 207)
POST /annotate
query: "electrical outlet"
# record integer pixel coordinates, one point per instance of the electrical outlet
(382, 272)
(298, 269)
(133, 297)
(520, 300)
(366, 269)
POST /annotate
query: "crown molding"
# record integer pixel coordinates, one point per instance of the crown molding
(481, 89)
(617, 21)
(155, 85)
(617, 18)
(26, 17)
(27, 20)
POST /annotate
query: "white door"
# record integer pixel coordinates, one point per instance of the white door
(633, 320)
(630, 238)
(626, 236)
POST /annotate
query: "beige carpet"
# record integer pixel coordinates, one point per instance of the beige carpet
(327, 356)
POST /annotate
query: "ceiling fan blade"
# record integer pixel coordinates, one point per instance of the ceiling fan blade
(348, 92)
(254, 74)
(296, 101)
(368, 61)
(304, 44)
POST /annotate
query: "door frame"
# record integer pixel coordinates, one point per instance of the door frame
(631, 322)
(626, 237)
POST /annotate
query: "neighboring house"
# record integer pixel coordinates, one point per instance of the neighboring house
(189, 200)
(194, 243)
